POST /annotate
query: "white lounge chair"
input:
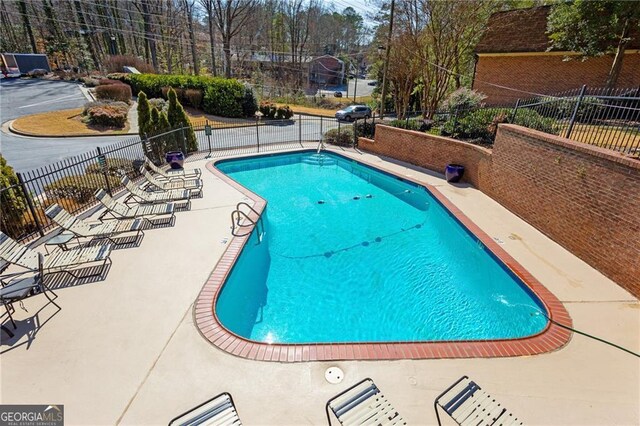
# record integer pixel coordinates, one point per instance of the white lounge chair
(151, 213)
(363, 404)
(219, 410)
(169, 174)
(179, 196)
(165, 185)
(109, 230)
(467, 404)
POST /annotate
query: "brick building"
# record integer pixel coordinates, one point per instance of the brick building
(326, 71)
(513, 53)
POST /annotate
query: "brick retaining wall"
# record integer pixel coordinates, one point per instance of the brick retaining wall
(583, 197)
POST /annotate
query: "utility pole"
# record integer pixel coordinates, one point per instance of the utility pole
(386, 60)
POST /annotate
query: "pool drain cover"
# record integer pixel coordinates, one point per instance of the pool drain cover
(334, 375)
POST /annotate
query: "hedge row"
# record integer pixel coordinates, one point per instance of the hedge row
(221, 96)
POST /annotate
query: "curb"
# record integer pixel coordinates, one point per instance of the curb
(81, 135)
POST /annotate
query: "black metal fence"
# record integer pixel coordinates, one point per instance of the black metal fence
(73, 181)
(609, 118)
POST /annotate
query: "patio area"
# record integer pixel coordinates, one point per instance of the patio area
(126, 350)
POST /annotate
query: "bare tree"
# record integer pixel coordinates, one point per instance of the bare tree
(230, 16)
(208, 6)
(188, 6)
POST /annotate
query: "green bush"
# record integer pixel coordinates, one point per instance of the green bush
(178, 118)
(144, 114)
(13, 203)
(590, 109)
(159, 104)
(340, 137)
(284, 113)
(412, 124)
(115, 167)
(268, 109)
(117, 92)
(79, 187)
(482, 124)
(111, 114)
(463, 99)
(365, 129)
(223, 97)
(249, 103)
(193, 97)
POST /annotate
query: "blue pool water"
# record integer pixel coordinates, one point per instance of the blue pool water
(350, 254)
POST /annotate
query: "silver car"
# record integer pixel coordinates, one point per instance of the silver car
(354, 112)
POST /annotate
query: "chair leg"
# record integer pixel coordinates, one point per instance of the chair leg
(6, 306)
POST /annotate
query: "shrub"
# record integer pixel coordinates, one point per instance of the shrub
(249, 103)
(463, 99)
(115, 167)
(590, 109)
(108, 81)
(193, 97)
(340, 137)
(113, 114)
(365, 129)
(482, 124)
(12, 201)
(79, 187)
(159, 103)
(284, 113)
(144, 114)
(117, 92)
(91, 82)
(223, 97)
(407, 124)
(116, 64)
(268, 109)
(178, 118)
(179, 92)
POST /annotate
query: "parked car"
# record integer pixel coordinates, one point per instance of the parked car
(337, 94)
(354, 112)
(372, 83)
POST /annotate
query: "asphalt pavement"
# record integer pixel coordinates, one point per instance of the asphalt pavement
(19, 97)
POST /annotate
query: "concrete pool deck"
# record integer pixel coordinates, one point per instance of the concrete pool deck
(126, 349)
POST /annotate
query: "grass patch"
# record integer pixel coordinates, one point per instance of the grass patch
(198, 118)
(67, 122)
(605, 136)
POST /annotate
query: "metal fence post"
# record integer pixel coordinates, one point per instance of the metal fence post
(300, 129)
(321, 135)
(32, 209)
(102, 161)
(355, 133)
(515, 111)
(575, 111)
(184, 141)
(258, 135)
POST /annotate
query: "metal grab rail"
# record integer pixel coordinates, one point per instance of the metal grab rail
(237, 214)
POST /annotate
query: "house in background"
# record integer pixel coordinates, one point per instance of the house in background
(513, 53)
(326, 71)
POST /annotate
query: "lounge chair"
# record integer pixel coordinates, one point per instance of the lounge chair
(23, 288)
(109, 230)
(468, 404)
(181, 174)
(22, 256)
(146, 212)
(219, 410)
(179, 196)
(165, 185)
(361, 404)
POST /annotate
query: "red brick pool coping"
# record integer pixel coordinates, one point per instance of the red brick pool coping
(551, 338)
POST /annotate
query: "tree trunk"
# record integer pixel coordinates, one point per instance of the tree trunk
(212, 38)
(192, 38)
(226, 46)
(150, 36)
(27, 25)
(616, 67)
(85, 34)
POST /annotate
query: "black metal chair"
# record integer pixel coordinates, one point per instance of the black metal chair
(25, 287)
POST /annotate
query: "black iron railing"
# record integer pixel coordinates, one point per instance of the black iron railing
(72, 181)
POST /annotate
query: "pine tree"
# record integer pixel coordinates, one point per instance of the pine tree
(144, 114)
(178, 118)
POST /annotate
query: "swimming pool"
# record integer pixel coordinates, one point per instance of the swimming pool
(351, 254)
